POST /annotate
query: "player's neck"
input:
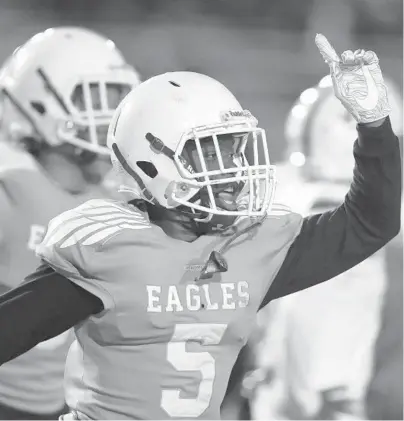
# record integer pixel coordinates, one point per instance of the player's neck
(173, 223)
(177, 230)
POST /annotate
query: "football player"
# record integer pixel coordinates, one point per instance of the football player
(384, 397)
(164, 294)
(58, 92)
(329, 331)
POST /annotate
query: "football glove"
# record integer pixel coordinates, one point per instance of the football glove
(358, 81)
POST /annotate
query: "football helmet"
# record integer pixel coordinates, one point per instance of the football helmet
(320, 132)
(179, 140)
(62, 86)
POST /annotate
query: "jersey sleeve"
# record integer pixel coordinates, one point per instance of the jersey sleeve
(87, 245)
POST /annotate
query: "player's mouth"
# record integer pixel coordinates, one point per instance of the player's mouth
(226, 196)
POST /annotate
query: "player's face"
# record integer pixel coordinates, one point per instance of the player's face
(228, 145)
(225, 194)
(227, 149)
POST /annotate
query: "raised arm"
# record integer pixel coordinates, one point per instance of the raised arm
(332, 242)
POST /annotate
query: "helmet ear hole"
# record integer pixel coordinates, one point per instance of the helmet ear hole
(148, 168)
(38, 107)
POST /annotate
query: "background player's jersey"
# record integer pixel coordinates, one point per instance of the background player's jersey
(384, 398)
(165, 345)
(32, 382)
(321, 338)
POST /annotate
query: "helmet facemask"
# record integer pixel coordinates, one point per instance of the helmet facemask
(89, 111)
(76, 114)
(213, 160)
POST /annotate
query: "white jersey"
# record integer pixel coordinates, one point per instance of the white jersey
(321, 338)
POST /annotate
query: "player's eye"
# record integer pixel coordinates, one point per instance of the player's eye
(210, 155)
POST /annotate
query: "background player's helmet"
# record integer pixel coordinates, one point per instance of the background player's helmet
(320, 132)
(161, 135)
(63, 86)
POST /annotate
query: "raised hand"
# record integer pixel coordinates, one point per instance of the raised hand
(358, 81)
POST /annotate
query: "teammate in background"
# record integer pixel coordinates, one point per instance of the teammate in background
(164, 295)
(384, 397)
(322, 351)
(58, 93)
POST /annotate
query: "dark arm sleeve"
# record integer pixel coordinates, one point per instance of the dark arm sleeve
(332, 242)
(45, 305)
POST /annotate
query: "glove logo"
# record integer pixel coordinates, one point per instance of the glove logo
(357, 80)
(372, 98)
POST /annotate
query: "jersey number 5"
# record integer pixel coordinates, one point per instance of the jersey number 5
(177, 355)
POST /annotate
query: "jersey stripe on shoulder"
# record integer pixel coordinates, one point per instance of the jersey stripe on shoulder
(279, 209)
(93, 222)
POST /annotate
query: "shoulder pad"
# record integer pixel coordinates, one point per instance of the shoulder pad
(74, 240)
(95, 221)
(278, 210)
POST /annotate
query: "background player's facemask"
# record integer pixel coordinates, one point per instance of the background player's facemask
(83, 135)
(78, 120)
(89, 110)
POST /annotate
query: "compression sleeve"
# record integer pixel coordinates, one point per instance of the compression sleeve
(45, 305)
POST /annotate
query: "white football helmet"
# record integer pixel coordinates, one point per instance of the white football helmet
(320, 132)
(63, 86)
(160, 137)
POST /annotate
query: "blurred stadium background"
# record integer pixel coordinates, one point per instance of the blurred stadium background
(262, 50)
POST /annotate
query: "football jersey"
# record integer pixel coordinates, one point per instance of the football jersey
(384, 397)
(28, 200)
(165, 344)
(322, 337)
